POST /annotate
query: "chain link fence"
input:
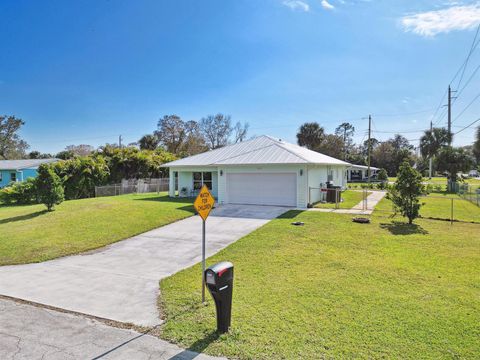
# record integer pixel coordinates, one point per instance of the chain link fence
(133, 186)
(470, 193)
(440, 206)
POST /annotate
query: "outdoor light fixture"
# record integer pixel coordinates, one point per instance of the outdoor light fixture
(221, 172)
(301, 172)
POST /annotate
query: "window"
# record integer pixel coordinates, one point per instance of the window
(13, 176)
(1, 176)
(329, 174)
(202, 178)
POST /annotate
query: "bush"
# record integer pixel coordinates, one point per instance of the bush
(49, 187)
(406, 191)
(21, 193)
(80, 175)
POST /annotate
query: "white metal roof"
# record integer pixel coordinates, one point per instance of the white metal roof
(23, 164)
(261, 150)
(363, 167)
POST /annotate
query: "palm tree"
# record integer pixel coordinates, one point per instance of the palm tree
(148, 142)
(476, 146)
(432, 141)
(310, 135)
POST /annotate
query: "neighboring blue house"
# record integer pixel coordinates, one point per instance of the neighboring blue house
(20, 170)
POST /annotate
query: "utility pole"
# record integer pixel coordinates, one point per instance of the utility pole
(450, 114)
(369, 146)
(430, 161)
(120, 141)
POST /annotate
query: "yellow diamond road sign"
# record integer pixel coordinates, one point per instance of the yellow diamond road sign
(204, 203)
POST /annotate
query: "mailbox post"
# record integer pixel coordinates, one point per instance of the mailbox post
(219, 280)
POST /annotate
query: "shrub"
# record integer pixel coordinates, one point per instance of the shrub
(80, 175)
(20, 193)
(406, 191)
(49, 187)
(382, 175)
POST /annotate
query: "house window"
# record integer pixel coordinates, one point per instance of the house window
(202, 178)
(1, 176)
(13, 176)
(329, 174)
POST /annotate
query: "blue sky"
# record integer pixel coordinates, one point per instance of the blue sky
(87, 71)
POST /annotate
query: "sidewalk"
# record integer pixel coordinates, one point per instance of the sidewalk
(372, 200)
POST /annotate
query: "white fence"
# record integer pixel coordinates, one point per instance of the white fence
(133, 186)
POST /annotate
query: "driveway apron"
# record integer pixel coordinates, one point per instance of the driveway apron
(121, 281)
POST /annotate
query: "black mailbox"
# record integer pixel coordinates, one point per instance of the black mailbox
(219, 281)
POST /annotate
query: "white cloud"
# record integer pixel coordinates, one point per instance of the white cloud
(297, 5)
(327, 5)
(434, 22)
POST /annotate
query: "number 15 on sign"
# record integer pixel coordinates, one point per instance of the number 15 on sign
(203, 204)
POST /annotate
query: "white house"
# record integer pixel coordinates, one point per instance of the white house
(261, 171)
(359, 172)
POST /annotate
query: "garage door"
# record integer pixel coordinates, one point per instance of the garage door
(262, 188)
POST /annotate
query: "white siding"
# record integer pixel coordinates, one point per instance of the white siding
(318, 176)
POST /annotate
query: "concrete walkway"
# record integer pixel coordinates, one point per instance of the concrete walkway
(28, 332)
(372, 200)
(121, 282)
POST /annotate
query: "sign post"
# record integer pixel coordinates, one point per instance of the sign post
(204, 204)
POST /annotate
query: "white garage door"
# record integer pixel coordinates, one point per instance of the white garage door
(262, 188)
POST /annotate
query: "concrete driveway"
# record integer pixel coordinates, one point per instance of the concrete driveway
(121, 282)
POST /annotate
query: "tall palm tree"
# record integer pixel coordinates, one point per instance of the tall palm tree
(432, 141)
(148, 142)
(310, 135)
(476, 146)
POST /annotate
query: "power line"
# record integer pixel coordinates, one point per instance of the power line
(468, 81)
(472, 49)
(466, 107)
(397, 132)
(466, 127)
(461, 70)
(404, 114)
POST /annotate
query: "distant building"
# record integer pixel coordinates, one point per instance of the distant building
(359, 173)
(20, 170)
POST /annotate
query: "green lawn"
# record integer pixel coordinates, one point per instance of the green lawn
(337, 289)
(350, 199)
(439, 206)
(31, 234)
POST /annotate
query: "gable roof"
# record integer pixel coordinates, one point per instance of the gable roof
(24, 164)
(261, 150)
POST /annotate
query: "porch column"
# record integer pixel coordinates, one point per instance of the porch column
(171, 183)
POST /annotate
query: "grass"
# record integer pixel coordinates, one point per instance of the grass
(439, 206)
(350, 199)
(31, 234)
(440, 180)
(337, 289)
